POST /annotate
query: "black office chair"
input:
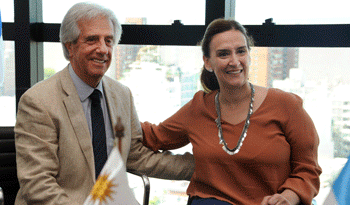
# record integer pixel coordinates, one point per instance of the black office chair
(9, 185)
(8, 172)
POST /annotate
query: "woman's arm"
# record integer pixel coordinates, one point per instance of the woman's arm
(169, 134)
(302, 136)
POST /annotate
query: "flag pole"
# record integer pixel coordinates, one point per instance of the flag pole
(119, 131)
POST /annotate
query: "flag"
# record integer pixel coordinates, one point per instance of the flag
(340, 192)
(112, 186)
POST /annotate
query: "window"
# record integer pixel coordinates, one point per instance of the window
(7, 68)
(53, 59)
(7, 85)
(292, 12)
(151, 12)
(7, 11)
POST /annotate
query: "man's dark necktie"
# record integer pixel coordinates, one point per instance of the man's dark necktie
(98, 132)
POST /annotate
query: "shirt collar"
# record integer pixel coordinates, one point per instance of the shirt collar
(84, 90)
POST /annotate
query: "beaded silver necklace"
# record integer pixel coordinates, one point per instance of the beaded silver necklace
(245, 128)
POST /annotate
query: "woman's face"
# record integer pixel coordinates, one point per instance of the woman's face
(229, 59)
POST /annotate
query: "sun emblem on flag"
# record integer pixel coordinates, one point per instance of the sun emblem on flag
(102, 189)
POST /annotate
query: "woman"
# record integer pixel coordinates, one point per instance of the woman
(266, 152)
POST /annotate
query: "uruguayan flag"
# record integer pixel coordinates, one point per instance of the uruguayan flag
(340, 192)
(112, 185)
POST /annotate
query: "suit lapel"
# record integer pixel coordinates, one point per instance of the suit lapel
(77, 118)
(115, 101)
(111, 103)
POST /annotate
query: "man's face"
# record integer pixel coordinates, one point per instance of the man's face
(91, 55)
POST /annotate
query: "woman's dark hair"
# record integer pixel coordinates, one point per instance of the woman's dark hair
(208, 79)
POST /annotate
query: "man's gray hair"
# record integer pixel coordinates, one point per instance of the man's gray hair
(69, 31)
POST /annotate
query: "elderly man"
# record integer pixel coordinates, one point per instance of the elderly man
(64, 130)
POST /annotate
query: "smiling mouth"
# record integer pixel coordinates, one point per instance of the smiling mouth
(234, 71)
(99, 61)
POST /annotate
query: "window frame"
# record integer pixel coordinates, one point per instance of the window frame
(29, 33)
